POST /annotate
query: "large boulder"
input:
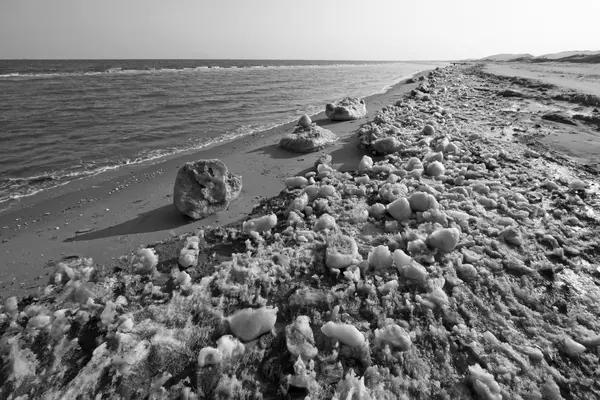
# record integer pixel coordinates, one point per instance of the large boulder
(346, 109)
(307, 139)
(204, 187)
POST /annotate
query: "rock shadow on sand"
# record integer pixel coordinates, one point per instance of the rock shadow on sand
(159, 219)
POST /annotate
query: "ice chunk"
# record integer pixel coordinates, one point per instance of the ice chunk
(260, 224)
(345, 333)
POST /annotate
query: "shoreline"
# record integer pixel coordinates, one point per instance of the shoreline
(112, 171)
(86, 217)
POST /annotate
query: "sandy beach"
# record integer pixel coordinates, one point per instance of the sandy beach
(111, 215)
(450, 252)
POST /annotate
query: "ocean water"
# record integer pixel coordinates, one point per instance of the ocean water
(65, 120)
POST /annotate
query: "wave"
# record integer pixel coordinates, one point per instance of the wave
(147, 71)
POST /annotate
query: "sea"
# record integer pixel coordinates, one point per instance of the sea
(62, 120)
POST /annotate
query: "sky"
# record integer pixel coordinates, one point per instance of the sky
(294, 29)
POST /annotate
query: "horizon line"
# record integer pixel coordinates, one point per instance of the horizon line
(213, 59)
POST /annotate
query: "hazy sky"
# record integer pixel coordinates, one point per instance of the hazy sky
(295, 29)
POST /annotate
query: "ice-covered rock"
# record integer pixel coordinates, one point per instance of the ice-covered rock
(306, 140)
(346, 109)
(205, 187)
(305, 121)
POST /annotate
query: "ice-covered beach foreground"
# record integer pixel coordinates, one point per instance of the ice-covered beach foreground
(460, 261)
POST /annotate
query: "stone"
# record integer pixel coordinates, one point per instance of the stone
(346, 109)
(305, 121)
(307, 140)
(205, 187)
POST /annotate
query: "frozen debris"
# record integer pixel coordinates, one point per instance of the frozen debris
(573, 348)
(248, 324)
(126, 324)
(342, 251)
(188, 257)
(300, 202)
(444, 239)
(400, 209)
(466, 272)
(11, 305)
(577, 184)
(436, 168)
(303, 377)
(296, 182)
(145, 261)
(299, 338)
(352, 388)
(344, 333)
(183, 279)
(422, 201)
(428, 130)
(484, 383)
(260, 224)
(325, 221)
(365, 165)
(209, 356)
(230, 347)
(415, 271)
(39, 322)
(394, 336)
(380, 258)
